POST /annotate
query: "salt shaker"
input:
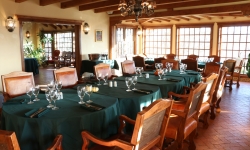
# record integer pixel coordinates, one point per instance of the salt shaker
(110, 84)
(115, 84)
(147, 75)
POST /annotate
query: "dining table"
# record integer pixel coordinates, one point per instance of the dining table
(71, 118)
(31, 65)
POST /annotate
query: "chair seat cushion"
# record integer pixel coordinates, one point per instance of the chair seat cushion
(204, 107)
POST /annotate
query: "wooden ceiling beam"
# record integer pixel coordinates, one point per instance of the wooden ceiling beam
(99, 5)
(105, 9)
(20, 1)
(48, 2)
(79, 2)
(45, 25)
(183, 18)
(53, 26)
(204, 16)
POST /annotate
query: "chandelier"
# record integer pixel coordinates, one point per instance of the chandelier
(137, 7)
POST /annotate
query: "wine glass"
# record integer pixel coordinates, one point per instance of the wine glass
(160, 73)
(81, 93)
(128, 82)
(156, 66)
(170, 65)
(54, 96)
(105, 78)
(51, 85)
(134, 78)
(164, 71)
(47, 94)
(99, 77)
(58, 85)
(88, 91)
(29, 93)
(35, 92)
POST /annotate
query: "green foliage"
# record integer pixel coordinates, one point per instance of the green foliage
(43, 38)
(38, 53)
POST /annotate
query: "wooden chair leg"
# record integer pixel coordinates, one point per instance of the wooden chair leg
(192, 145)
(218, 105)
(231, 84)
(205, 123)
(238, 82)
(212, 114)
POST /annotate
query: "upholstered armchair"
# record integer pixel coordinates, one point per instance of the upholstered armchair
(210, 67)
(230, 64)
(128, 67)
(191, 64)
(175, 63)
(103, 69)
(67, 76)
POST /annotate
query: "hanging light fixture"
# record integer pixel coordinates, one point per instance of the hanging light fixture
(137, 7)
(27, 34)
(86, 28)
(10, 24)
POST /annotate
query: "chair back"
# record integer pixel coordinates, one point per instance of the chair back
(215, 57)
(211, 82)
(158, 60)
(57, 143)
(170, 56)
(139, 62)
(128, 67)
(102, 69)
(94, 56)
(175, 63)
(15, 83)
(211, 67)
(56, 54)
(191, 64)
(8, 140)
(151, 124)
(230, 64)
(67, 76)
(195, 57)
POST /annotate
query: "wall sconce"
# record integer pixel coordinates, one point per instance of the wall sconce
(10, 24)
(27, 34)
(139, 32)
(86, 28)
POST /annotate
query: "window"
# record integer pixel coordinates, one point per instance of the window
(193, 40)
(157, 42)
(234, 41)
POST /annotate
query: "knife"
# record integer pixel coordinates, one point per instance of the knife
(96, 108)
(143, 91)
(37, 112)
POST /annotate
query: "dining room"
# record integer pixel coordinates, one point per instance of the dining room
(181, 28)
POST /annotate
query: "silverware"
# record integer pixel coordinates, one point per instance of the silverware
(143, 91)
(96, 108)
(37, 112)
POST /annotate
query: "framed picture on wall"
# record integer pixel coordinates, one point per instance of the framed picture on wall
(98, 35)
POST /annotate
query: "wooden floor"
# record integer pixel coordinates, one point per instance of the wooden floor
(229, 131)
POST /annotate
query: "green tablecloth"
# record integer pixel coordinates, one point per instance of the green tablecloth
(31, 65)
(69, 120)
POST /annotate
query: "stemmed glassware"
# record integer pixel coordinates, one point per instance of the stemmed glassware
(160, 73)
(81, 93)
(99, 77)
(164, 71)
(128, 82)
(47, 94)
(105, 78)
(29, 93)
(88, 91)
(51, 85)
(134, 78)
(54, 96)
(170, 66)
(139, 71)
(58, 85)
(35, 92)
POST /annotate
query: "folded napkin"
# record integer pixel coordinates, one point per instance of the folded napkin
(92, 106)
(16, 101)
(143, 91)
(36, 113)
(193, 73)
(173, 80)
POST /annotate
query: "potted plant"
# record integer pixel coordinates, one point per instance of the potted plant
(248, 66)
(43, 38)
(30, 52)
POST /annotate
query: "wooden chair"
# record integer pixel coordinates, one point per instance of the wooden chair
(103, 69)
(175, 63)
(57, 143)
(215, 103)
(215, 57)
(230, 64)
(237, 70)
(149, 130)
(14, 84)
(8, 140)
(67, 75)
(195, 57)
(210, 67)
(128, 67)
(183, 123)
(170, 56)
(158, 60)
(140, 62)
(191, 64)
(55, 58)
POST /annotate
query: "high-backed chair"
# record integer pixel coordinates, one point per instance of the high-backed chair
(149, 130)
(237, 70)
(128, 67)
(175, 63)
(183, 123)
(195, 57)
(140, 62)
(8, 140)
(211, 67)
(215, 58)
(218, 92)
(158, 60)
(15, 83)
(67, 75)
(170, 56)
(55, 57)
(103, 69)
(230, 64)
(191, 64)
(57, 143)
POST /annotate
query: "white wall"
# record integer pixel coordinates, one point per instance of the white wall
(10, 56)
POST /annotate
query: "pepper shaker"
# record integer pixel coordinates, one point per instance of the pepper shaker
(115, 84)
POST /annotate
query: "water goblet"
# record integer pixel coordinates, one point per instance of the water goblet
(99, 77)
(170, 65)
(128, 82)
(157, 66)
(54, 96)
(164, 72)
(105, 78)
(140, 71)
(134, 78)
(88, 91)
(160, 73)
(29, 93)
(58, 85)
(81, 93)
(47, 94)
(35, 92)
(51, 85)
